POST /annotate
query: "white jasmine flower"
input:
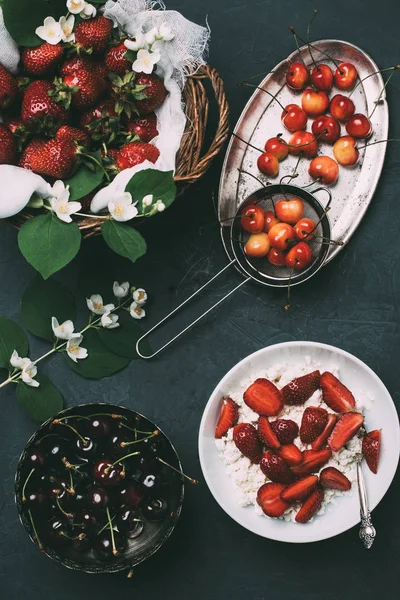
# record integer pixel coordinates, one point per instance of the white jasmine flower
(67, 27)
(137, 43)
(59, 202)
(50, 31)
(74, 351)
(160, 205)
(136, 311)
(151, 36)
(122, 207)
(63, 331)
(95, 304)
(28, 373)
(165, 33)
(76, 6)
(17, 362)
(145, 61)
(140, 296)
(147, 200)
(109, 321)
(88, 12)
(121, 290)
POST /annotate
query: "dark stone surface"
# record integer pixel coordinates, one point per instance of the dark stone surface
(353, 303)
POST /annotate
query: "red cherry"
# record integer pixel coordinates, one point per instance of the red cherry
(359, 126)
(277, 147)
(341, 107)
(345, 76)
(294, 117)
(303, 229)
(345, 151)
(305, 142)
(257, 245)
(252, 219)
(276, 257)
(280, 236)
(289, 211)
(299, 257)
(297, 76)
(325, 169)
(268, 164)
(269, 220)
(322, 77)
(326, 128)
(314, 103)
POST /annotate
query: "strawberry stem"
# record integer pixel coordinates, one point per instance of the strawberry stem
(95, 161)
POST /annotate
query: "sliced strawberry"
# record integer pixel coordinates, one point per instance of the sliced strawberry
(246, 440)
(268, 497)
(313, 460)
(264, 398)
(300, 389)
(310, 506)
(290, 454)
(228, 417)
(332, 478)
(344, 430)
(371, 446)
(265, 433)
(321, 441)
(336, 395)
(275, 468)
(285, 430)
(313, 423)
(300, 490)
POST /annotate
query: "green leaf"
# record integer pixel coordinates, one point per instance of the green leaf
(85, 179)
(35, 201)
(49, 244)
(130, 55)
(41, 402)
(22, 17)
(124, 240)
(43, 300)
(100, 362)
(151, 181)
(12, 337)
(122, 340)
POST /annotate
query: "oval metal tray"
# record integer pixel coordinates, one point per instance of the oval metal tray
(261, 119)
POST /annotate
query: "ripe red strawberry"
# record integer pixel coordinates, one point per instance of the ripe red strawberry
(143, 127)
(371, 446)
(54, 158)
(85, 88)
(101, 122)
(93, 35)
(263, 397)
(265, 433)
(42, 59)
(332, 478)
(300, 389)
(228, 417)
(321, 441)
(76, 63)
(246, 440)
(290, 454)
(38, 105)
(346, 427)
(8, 146)
(313, 460)
(8, 88)
(269, 498)
(300, 490)
(311, 506)
(155, 91)
(115, 59)
(73, 134)
(101, 72)
(31, 150)
(275, 468)
(313, 423)
(336, 395)
(285, 430)
(134, 153)
(20, 132)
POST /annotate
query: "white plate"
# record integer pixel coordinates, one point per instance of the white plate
(356, 375)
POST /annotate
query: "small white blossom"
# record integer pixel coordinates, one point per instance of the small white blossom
(28, 373)
(95, 304)
(50, 31)
(148, 200)
(67, 27)
(121, 290)
(122, 207)
(160, 205)
(63, 331)
(76, 6)
(137, 43)
(151, 36)
(140, 296)
(165, 33)
(109, 321)
(59, 196)
(17, 362)
(88, 12)
(145, 61)
(136, 311)
(74, 351)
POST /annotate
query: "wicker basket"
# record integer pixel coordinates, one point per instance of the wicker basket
(192, 160)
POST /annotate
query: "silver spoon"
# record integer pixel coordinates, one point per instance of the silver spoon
(367, 530)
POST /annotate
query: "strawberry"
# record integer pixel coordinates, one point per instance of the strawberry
(20, 132)
(101, 72)
(300, 389)
(135, 153)
(313, 423)
(269, 498)
(93, 35)
(311, 506)
(115, 59)
(265, 433)
(290, 454)
(155, 92)
(73, 134)
(322, 439)
(8, 88)
(263, 397)
(285, 430)
(30, 151)
(371, 446)
(76, 63)
(313, 460)
(145, 128)
(246, 440)
(8, 146)
(37, 104)
(101, 122)
(54, 158)
(42, 59)
(346, 427)
(300, 490)
(336, 395)
(275, 468)
(333, 479)
(228, 417)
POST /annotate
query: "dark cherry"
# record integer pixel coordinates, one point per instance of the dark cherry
(81, 544)
(129, 523)
(79, 500)
(36, 458)
(151, 482)
(57, 448)
(114, 447)
(86, 450)
(131, 494)
(38, 500)
(98, 498)
(152, 446)
(56, 532)
(107, 474)
(103, 545)
(87, 522)
(98, 427)
(156, 509)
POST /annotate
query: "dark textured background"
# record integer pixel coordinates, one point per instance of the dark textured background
(353, 303)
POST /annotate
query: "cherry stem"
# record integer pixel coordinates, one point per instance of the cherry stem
(37, 539)
(381, 94)
(123, 444)
(69, 417)
(115, 551)
(247, 143)
(378, 142)
(287, 305)
(81, 536)
(68, 515)
(68, 465)
(335, 62)
(310, 23)
(254, 176)
(59, 422)
(371, 74)
(326, 240)
(71, 483)
(266, 92)
(25, 484)
(105, 526)
(298, 48)
(192, 481)
(107, 469)
(255, 77)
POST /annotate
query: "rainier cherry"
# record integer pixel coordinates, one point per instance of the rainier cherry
(294, 117)
(322, 77)
(325, 169)
(359, 126)
(280, 236)
(326, 128)
(289, 211)
(269, 220)
(252, 219)
(314, 103)
(345, 76)
(257, 245)
(304, 229)
(276, 257)
(277, 147)
(299, 257)
(345, 151)
(297, 76)
(305, 142)
(268, 164)
(341, 107)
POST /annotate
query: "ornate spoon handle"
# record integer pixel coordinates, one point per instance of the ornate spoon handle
(367, 530)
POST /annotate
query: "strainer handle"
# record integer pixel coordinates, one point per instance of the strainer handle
(169, 315)
(324, 189)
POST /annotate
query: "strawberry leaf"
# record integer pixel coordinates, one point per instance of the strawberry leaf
(41, 402)
(21, 20)
(152, 181)
(124, 240)
(12, 337)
